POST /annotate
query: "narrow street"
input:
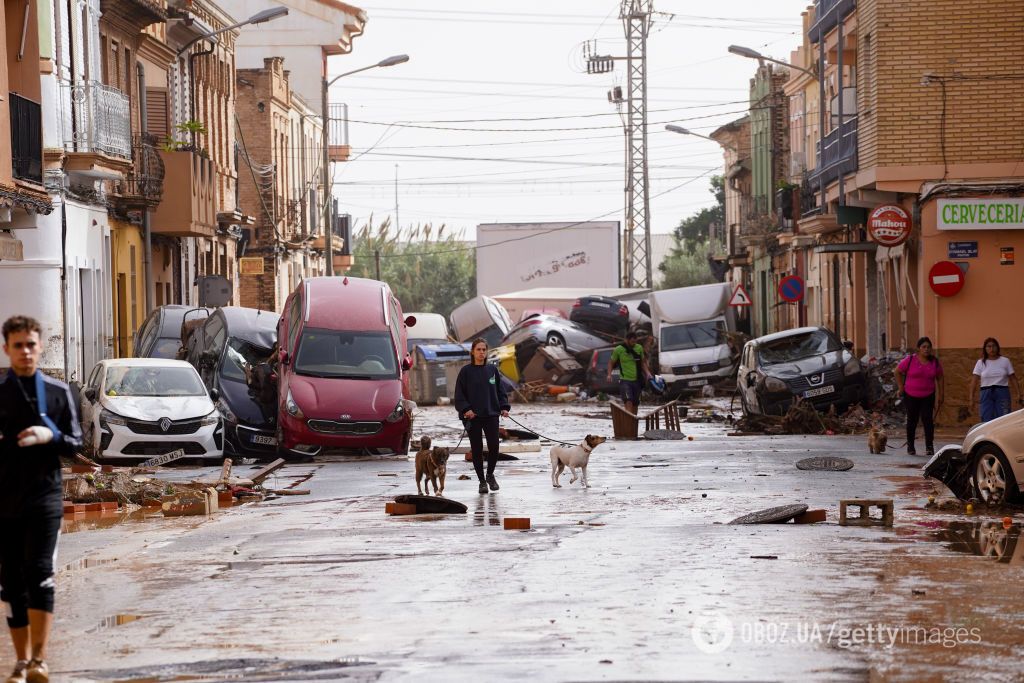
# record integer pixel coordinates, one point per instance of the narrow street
(608, 584)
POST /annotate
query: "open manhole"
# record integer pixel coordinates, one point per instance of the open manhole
(776, 515)
(825, 463)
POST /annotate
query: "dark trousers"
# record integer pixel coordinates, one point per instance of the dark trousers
(28, 548)
(923, 409)
(479, 427)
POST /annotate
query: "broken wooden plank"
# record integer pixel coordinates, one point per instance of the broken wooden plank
(289, 492)
(225, 471)
(268, 470)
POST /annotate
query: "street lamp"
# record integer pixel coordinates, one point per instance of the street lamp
(672, 128)
(754, 54)
(325, 143)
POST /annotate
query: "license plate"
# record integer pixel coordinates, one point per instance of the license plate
(696, 382)
(265, 440)
(819, 391)
(600, 304)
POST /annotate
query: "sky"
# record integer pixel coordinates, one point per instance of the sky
(494, 118)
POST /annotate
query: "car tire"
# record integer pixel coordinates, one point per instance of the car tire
(994, 482)
(555, 339)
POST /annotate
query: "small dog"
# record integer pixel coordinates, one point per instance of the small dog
(877, 439)
(431, 466)
(573, 457)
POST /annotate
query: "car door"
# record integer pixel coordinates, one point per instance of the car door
(87, 408)
(746, 377)
(146, 334)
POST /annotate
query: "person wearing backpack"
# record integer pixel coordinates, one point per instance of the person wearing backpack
(631, 360)
(480, 398)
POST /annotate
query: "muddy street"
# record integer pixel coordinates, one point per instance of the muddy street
(637, 577)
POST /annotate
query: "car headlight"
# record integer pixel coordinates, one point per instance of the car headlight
(292, 407)
(398, 413)
(226, 411)
(852, 367)
(109, 418)
(211, 419)
(773, 384)
(725, 362)
(665, 369)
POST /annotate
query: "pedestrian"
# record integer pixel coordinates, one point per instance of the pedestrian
(480, 398)
(38, 424)
(632, 360)
(922, 385)
(994, 373)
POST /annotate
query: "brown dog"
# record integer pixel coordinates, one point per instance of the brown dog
(877, 439)
(431, 466)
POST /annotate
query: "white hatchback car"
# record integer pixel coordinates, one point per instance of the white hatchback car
(996, 452)
(145, 407)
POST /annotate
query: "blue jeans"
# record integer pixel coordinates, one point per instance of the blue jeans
(995, 402)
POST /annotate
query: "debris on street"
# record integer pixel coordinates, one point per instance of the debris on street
(775, 515)
(825, 464)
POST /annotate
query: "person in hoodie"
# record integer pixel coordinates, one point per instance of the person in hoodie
(480, 399)
(38, 425)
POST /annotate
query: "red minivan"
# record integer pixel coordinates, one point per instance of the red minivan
(344, 380)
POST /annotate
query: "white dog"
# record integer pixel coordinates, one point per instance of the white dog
(573, 457)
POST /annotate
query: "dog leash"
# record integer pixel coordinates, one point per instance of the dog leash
(536, 433)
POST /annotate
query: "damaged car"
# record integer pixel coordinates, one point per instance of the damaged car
(988, 465)
(808, 363)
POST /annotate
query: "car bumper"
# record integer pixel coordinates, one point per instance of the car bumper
(206, 442)
(696, 381)
(848, 394)
(242, 440)
(298, 437)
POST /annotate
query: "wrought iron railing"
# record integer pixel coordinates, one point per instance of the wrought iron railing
(97, 118)
(337, 131)
(146, 179)
(837, 153)
(827, 16)
(26, 138)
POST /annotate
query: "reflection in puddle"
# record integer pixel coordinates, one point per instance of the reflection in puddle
(115, 620)
(485, 512)
(985, 538)
(86, 562)
(106, 520)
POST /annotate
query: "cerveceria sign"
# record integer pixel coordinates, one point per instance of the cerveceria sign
(981, 214)
(889, 225)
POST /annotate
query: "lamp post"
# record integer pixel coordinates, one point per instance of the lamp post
(325, 142)
(672, 128)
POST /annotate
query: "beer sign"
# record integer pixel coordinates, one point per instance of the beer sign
(889, 225)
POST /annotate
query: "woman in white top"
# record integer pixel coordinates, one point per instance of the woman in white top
(994, 374)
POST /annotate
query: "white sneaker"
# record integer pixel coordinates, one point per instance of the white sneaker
(37, 672)
(18, 675)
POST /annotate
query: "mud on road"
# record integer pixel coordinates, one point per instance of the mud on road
(637, 577)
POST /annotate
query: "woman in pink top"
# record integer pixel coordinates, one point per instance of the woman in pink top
(919, 377)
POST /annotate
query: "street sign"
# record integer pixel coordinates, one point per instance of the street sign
(164, 459)
(963, 250)
(889, 225)
(250, 265)
(1006, 256)
(791, 288)
(945, 278)
(740, 297)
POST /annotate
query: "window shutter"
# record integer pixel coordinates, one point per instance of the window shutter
(157, 113)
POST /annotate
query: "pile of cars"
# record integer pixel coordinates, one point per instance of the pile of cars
(330, 374)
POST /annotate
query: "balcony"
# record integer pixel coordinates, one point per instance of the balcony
(838, 155)
(26, 139)
(190, 180)
(143, 187)
(97, 130)
(337, 133)
(827, 15)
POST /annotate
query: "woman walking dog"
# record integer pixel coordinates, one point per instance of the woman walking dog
(994, 372)
(481, 399)
(920, 380)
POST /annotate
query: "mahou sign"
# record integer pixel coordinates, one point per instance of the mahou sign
(889, 225)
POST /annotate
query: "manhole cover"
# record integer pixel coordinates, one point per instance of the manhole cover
(826, 463)
(775, 515)
(428, 504)
(664, 435)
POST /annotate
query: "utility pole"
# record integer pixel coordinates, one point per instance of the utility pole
(636, 248)
(398, 223)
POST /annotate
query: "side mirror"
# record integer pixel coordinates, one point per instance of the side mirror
(407, 363)
(90, 394)
(214, 395)
(410, 321)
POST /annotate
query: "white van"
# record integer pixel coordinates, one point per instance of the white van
(481, 317)
(691, 326)
(430, 328)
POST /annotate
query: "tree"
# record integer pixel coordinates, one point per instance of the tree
(428, 272)
(688, 263)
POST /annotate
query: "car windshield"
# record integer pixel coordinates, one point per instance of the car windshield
(796, 346)
(152, 380)
(240, 358)
(692, 335)
(354, 355)
(165, 347)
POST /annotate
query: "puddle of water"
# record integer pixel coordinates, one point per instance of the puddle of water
(86, 563)
(106, 520)
(984, 538)
(115, 620)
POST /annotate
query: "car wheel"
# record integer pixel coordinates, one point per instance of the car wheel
(994, 482)
(555, 339)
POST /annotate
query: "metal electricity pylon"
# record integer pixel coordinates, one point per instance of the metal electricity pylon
(636, 247)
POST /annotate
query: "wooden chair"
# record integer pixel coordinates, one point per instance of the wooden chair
(626, 425)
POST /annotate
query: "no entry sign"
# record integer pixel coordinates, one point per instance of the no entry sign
(946, 278)
(889, 225)
(791, 288)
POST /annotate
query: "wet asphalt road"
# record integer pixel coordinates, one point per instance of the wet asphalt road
(636, 578)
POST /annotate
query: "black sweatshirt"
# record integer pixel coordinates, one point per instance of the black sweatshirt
(479, 389)
(30, 477)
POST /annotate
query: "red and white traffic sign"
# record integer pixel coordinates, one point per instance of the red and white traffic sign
(740, 297)
(946, 278)
(889, 225)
